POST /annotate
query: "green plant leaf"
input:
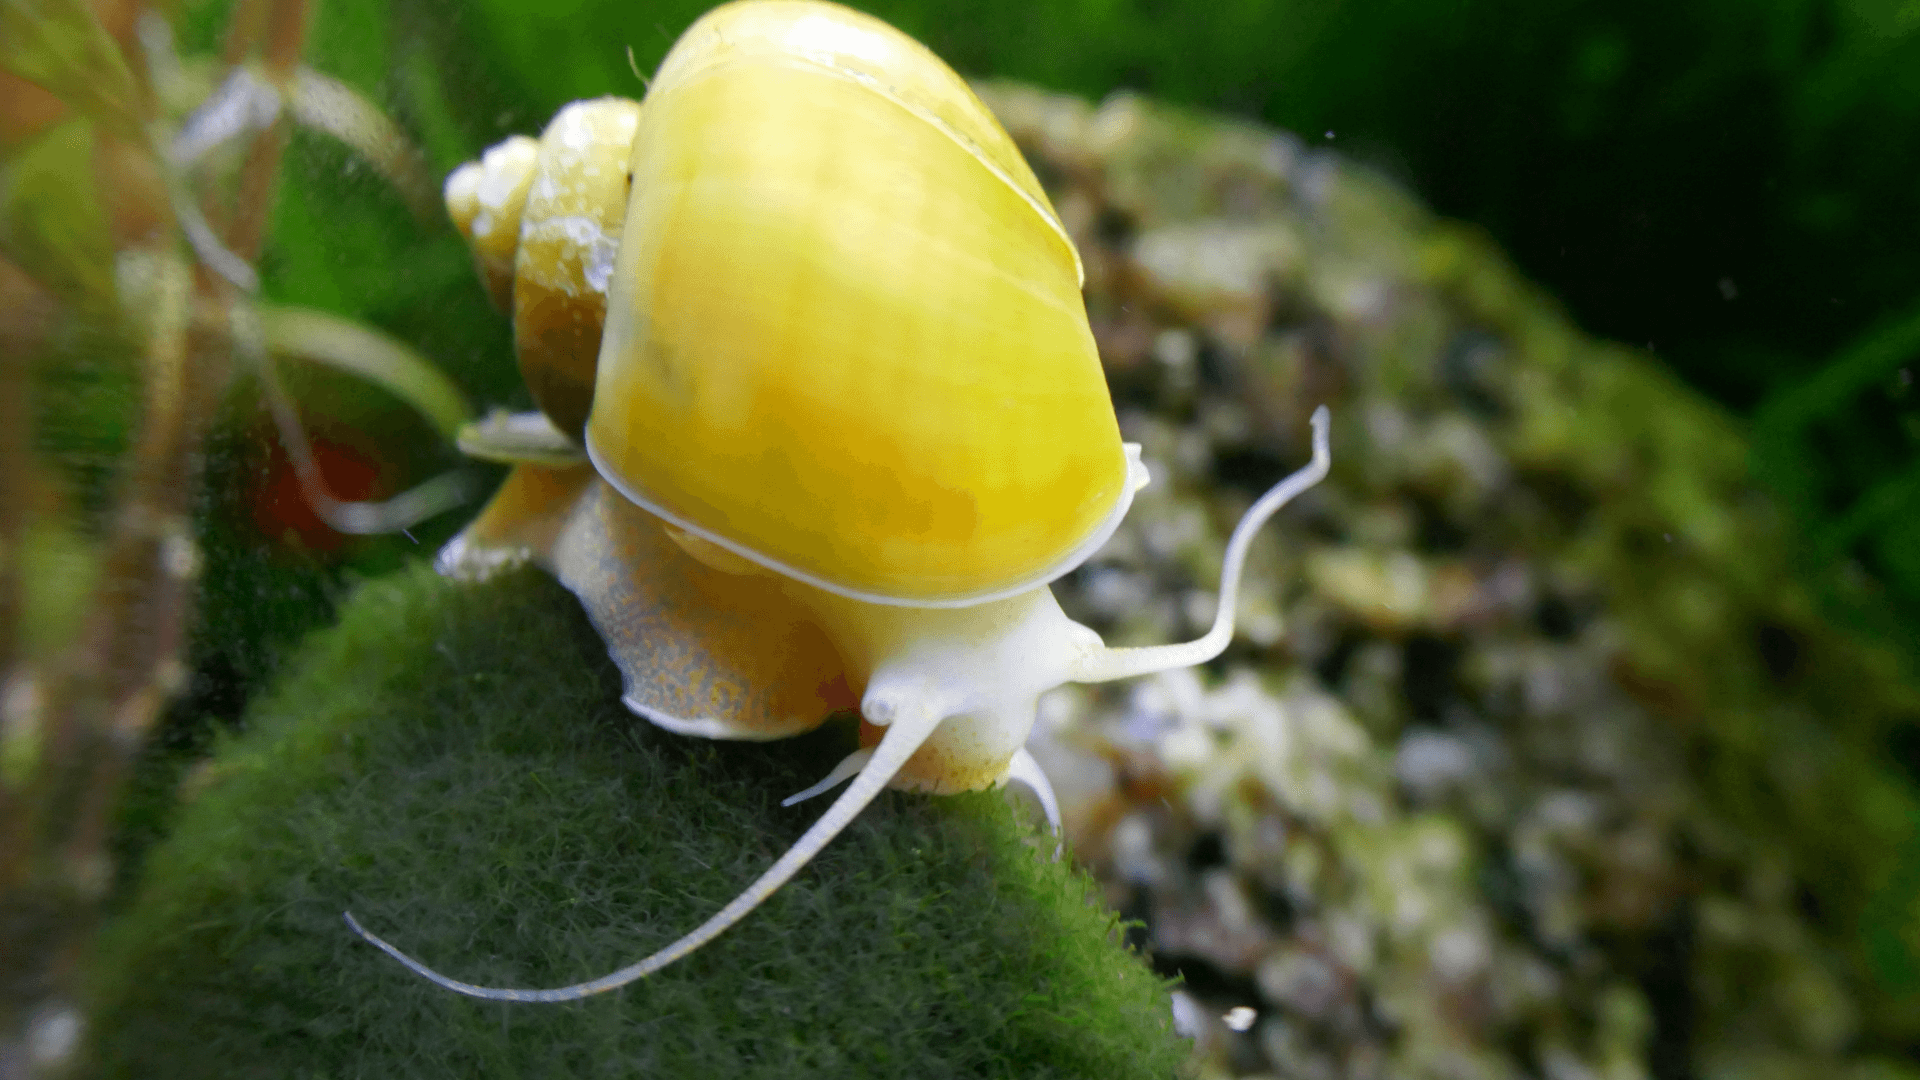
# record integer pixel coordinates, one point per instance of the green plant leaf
(59, 45)
(51, 222)
(343, 345)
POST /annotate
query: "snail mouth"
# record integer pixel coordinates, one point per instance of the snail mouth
(1095, 539)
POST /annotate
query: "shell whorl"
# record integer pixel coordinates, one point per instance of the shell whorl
(846, 337)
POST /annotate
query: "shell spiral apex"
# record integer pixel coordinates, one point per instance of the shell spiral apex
(845, 336)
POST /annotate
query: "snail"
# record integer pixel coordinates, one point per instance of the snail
(845, 421)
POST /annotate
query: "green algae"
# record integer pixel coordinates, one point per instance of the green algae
(453, 764)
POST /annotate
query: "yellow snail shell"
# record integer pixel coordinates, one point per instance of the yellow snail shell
(847, 424)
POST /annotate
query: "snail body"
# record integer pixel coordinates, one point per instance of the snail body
(846, 422)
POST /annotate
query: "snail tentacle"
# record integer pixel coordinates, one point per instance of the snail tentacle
(909, 728)
(1028, 771)
(1106, 665)
(848, 766)
(742, 606)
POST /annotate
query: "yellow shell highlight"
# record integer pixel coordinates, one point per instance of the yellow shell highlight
(864, 49)
(570, 228)
(847, 339)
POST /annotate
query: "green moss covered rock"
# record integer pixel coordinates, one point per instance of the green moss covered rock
(453, 764)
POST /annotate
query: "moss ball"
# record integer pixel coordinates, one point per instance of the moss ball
(452, 763)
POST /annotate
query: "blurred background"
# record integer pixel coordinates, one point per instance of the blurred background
(1731, 187)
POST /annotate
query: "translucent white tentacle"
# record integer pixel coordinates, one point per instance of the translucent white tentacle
(1104, 665)
(849, 765)
(904, 735)
(1028, 771)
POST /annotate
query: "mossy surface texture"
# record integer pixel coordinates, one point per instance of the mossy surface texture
(453, 764)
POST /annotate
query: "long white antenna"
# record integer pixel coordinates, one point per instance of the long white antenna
(1106, 665)
(903, 737)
